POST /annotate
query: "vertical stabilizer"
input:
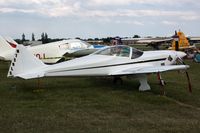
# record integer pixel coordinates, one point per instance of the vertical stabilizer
(182, 41)
(11, 42)
(4, 45)
(25, 65)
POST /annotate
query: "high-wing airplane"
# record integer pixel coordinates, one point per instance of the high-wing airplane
(183, 41)
(153, 42)
(116, 61)
(49, 52)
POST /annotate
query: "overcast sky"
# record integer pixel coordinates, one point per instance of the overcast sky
(98, 18)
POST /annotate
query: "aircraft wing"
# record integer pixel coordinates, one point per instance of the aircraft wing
(79, 52)
(149, 41)
(149, 69)
(155, 43)
(83, 52)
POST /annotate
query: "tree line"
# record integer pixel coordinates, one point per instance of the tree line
(45, 39)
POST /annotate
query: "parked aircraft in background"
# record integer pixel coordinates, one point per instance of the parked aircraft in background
(12, 42)
(194, 40)
(153, 42)
(183, 41)
(116, 61)
(49, 52)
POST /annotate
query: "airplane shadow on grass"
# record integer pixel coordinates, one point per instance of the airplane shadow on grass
(74, 83)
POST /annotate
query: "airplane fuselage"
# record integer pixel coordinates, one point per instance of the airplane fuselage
(103, 65)
(50, 52)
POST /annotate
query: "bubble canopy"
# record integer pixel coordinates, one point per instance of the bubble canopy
(121, 51)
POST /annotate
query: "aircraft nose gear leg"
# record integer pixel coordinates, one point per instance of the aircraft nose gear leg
(179, 60)
(144, 86)
(162, 82)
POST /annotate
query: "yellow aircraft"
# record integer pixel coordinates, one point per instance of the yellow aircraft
(183, 42)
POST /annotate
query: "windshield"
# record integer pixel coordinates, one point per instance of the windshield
(136, 53)
(120, 50)
(74, 44)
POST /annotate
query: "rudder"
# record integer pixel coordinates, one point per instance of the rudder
(25, 64)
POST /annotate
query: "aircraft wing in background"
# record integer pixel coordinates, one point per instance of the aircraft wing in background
(83, 52)
(150, 41)
(153, 42)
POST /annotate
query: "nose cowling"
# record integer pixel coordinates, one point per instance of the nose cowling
(180, 54)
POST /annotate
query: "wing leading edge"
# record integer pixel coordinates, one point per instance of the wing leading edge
(149, 69)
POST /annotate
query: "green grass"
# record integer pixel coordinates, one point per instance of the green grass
(96, 105)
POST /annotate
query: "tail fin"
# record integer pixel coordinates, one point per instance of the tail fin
(4, 45)
(183, 42)
(12, 42)
(25, 65)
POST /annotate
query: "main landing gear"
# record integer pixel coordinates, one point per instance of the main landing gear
(144, 86)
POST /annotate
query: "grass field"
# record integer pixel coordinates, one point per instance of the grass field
(92, 105)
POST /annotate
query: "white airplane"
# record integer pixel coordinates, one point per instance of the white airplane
(50, 52)
(116, 61)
